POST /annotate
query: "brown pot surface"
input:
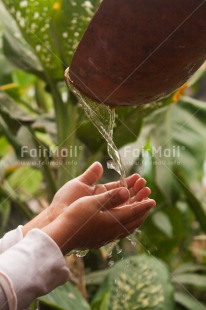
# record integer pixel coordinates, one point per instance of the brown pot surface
(137, 51)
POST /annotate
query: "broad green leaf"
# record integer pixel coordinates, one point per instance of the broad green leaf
(195, 280)
(23, 79)
(12, 117)
(128, 125)
(15, 47)
(189, 302)
(89, 135)
(129, 121)
(5, 72)
(10, 110)
(96, 277)
(65, 297)
(189, 268)
(197, 206)
(45, 123)
(5, 147)
(12, 90)
(161, 220)
(158, 243)
(69, 21)
(5, 129)
(8, 164)
(138, 282)
(53, 29)
(178, 140)
(26, 181)
(33, 19)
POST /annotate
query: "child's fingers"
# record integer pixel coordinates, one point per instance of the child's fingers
(130, 213)
(130, 182)
(111, 199)
(139, 184)
(138, 222)
(142, 194)
(128, 229)
(92, 174)
(123, 230)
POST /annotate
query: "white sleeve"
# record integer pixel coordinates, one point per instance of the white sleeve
(31, 268)
(10, 239)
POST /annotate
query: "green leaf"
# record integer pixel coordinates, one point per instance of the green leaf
(16, 48)
(5, 72)
(189, 302)
(46, 124)
(138, 282)
(128, 125)
(10, 110)
(161, 220)
(33, 19)
(197, 206)
(196, 280)
(158, 242)
(68, 24)
(8, 164)
(188, 268)
(96, 277)
(65, 297)
(53, 29)
(177, 134)
(102, 296)
(89, 135)
(26, 181)
(4, 147)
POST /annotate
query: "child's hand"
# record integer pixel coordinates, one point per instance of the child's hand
(92, 221)
(84, 185)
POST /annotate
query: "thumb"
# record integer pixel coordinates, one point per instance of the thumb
(92, 174)
(113, 198)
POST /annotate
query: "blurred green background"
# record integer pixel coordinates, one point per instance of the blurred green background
(164, 141)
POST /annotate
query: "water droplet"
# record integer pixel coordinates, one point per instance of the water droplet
(111, 263)
(132, 239)
(118, 249)
(81, 253)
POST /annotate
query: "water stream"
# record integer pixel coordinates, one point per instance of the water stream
(103, 118)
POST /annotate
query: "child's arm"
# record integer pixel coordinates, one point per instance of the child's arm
(81, 216)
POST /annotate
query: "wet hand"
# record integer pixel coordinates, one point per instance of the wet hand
(84, 185)
(93, 221)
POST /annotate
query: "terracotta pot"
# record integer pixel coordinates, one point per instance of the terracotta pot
(137, 51)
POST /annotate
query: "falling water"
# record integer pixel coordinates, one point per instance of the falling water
(103, 118)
